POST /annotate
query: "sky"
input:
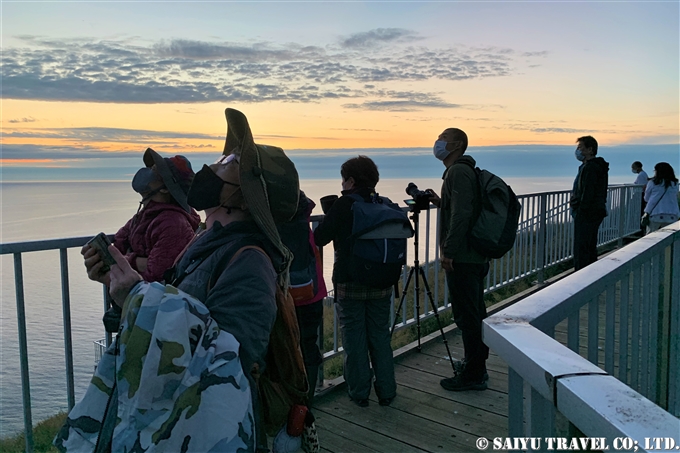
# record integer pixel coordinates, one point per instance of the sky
(92, 79)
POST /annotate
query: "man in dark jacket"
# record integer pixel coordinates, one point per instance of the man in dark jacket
(465, 267)
(588, 201)
(363, 311)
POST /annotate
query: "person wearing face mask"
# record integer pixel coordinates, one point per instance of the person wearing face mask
(465, 267)
(363, 311)
(163, 225)
(640, 179)
(243, 194)
(588, 201)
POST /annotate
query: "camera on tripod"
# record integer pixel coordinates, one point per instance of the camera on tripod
(420, 199)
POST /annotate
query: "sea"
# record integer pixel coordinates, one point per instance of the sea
(85, 197)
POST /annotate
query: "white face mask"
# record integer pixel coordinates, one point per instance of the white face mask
(439, 150)
(579, 155)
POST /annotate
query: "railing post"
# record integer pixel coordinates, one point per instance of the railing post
(622, 214)
(674, 334)
(23, 351)
(540, 257)
(66, 313)
(515, 404)
(541, 420)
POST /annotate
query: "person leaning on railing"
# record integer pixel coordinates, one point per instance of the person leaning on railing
(661, 195)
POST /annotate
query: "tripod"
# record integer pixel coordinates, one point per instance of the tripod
(420, 273)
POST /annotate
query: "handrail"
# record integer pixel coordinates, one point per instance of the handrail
(545, 231)
(593, 399)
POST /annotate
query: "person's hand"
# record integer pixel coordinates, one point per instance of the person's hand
(94, 264)
(141, 263)
(447, 263)
(123, 277)
(434, 198)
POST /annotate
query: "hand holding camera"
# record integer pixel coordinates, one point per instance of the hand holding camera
(420, 198)
(98, 260)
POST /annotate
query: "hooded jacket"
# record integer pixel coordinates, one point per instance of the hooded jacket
(159, 232)
(241, 295)
(460, 195)
(589, 197)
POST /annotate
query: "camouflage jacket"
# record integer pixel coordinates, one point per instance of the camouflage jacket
(178, 379)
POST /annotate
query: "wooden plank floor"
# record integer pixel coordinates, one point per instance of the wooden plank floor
(423, 417)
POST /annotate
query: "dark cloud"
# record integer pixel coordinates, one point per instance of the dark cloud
(377, 37)
(23, 120)
(184, 71)
(106, 134)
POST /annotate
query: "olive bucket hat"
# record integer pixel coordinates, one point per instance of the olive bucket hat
(176, 173)
(269, 180)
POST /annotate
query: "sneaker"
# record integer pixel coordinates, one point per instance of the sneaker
(459, 367)
(386, 401)
(360, 402)
(458, 383)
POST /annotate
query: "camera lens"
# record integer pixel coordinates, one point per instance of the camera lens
(412, 190)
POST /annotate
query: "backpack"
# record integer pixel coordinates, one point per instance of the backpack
(304, 281)
(283, 384)
(378, 241)
(494, 229)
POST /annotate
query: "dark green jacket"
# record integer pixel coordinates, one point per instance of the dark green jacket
(459, 196)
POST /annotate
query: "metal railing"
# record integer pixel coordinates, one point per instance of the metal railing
(618, 376)
(544, 239)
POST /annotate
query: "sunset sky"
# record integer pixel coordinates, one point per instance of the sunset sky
(82, 78)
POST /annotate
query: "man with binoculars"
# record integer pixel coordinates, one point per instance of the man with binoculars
(465, 267)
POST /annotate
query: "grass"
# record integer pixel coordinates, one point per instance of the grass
(43, 433)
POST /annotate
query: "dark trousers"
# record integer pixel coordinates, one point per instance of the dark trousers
(585, 240)
(365, 327)
(309, 319)
(466, 288)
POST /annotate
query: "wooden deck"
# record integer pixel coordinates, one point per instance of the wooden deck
(423, 417)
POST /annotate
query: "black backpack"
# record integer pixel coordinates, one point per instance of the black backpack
(378, 241)
(494, 229)
(304, 281)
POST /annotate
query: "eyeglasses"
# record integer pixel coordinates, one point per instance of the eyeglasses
(225, 160)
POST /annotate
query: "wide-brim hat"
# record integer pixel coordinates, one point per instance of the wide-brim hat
(269, 179)
(171, 179)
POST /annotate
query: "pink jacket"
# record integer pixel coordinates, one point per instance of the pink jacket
(159, 232)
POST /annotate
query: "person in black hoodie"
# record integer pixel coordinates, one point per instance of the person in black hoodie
(588, 201)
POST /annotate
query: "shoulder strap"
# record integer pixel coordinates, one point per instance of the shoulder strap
(230, 258)
(657, 201)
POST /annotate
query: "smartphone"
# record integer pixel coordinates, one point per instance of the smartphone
(101, 244)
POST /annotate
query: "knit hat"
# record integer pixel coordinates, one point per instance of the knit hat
(176, 173)
(269, 180)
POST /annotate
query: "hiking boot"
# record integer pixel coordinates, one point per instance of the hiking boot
(459, 383)
(386, 401)
(459, 367)
(360, 402)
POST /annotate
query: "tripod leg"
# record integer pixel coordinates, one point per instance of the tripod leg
(401, 302)
(436, 316)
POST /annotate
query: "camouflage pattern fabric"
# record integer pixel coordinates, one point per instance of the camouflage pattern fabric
(179, 381)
